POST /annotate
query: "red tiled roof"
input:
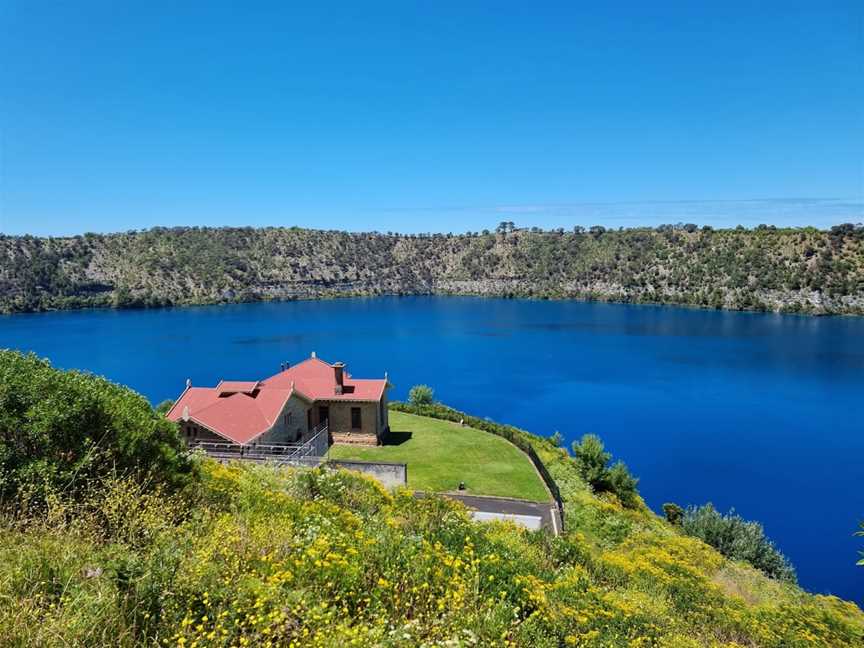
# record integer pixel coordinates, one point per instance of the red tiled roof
(194, 398)
(236, 417)
(316, 380)
(243, 410)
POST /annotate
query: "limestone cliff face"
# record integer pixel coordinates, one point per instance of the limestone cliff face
(799, 270)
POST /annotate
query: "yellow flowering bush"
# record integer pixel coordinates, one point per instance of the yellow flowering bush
(256, 556)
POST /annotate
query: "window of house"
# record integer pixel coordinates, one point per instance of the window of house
(356, 421)
(288, 419)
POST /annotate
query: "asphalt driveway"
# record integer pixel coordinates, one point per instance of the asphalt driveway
(527, 513)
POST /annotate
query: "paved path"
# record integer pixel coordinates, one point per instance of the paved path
(505, 506)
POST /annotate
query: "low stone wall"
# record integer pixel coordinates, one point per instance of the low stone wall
(354, 438)
(390, 475)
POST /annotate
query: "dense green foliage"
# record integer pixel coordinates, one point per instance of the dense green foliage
(440, 455)
(736, 538)
(593, 461)
(421, 395)
(164, 407)
(254, 556)
(793, 270)
(674, 513)
(59, 430)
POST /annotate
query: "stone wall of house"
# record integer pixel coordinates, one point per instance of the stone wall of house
(383, 417)
(290, 425)
(340, 417)
(191, 431)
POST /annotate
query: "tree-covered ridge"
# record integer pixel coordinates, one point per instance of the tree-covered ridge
(790, 270)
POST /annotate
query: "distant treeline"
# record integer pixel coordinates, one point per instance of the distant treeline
(767, 268)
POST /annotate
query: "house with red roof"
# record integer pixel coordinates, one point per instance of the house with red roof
(288, 407)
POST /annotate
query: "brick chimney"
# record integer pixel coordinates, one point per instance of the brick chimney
(339, 375)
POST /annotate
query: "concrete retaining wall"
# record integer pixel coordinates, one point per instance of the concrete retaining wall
(390, 475)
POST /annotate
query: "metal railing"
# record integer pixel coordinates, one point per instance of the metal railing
(310, 450)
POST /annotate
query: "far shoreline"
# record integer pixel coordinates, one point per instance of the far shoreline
(445, 295)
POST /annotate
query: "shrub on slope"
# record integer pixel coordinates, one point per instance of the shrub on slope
(737, 538)
(58, 430)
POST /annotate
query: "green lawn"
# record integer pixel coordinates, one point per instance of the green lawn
(440, 454)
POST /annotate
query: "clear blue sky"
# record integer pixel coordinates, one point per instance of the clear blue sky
(430, 116)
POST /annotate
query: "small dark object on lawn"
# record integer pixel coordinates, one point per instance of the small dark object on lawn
(461, 485)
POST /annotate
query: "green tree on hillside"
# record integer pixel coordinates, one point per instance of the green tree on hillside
(421, 395)
(593, 462)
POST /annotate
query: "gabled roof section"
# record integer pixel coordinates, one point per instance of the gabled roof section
(235, 417)
(239, 417)
(193, 399)
(316, 380)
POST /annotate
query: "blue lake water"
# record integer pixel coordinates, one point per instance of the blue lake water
(757, 411)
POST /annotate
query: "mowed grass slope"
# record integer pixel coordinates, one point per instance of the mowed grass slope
(440, 454)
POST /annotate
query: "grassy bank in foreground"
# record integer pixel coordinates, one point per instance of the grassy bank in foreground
(208, 555)
(440, 454)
